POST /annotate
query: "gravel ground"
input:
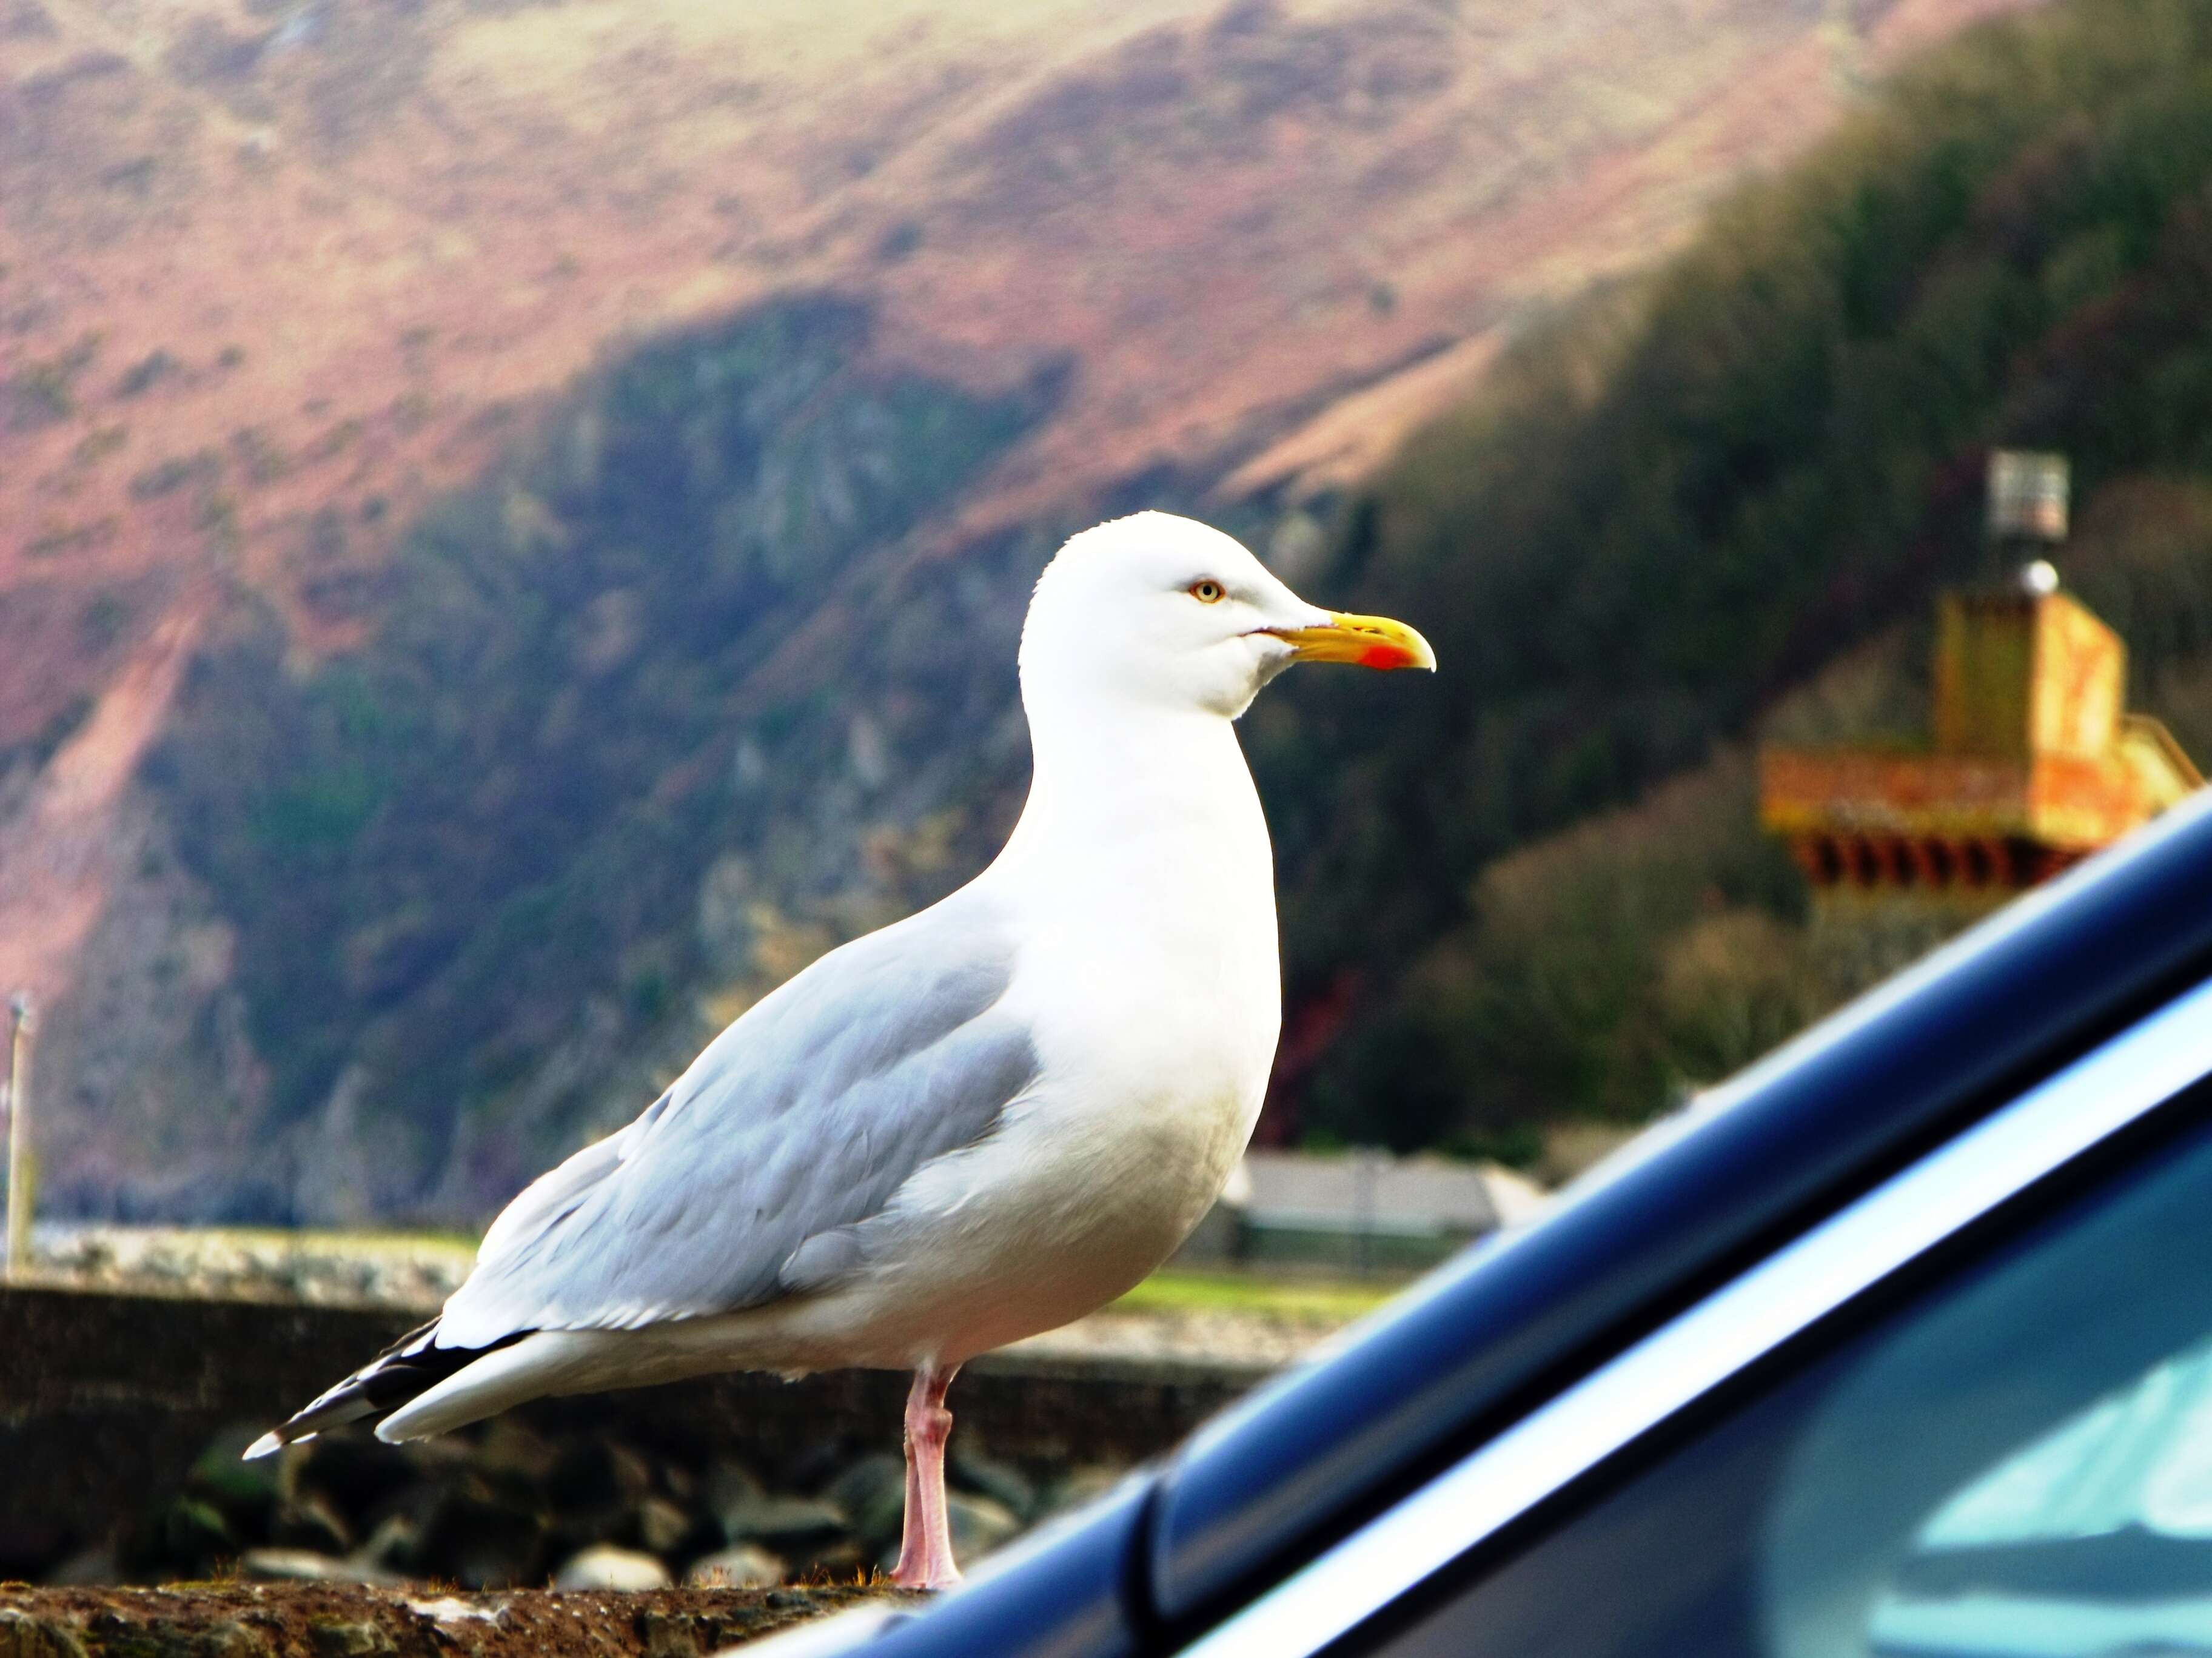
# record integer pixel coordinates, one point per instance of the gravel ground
(418, 1273)
(247, 1620)
(502, 1505)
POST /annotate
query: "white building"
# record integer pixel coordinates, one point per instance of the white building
(1363, 1210)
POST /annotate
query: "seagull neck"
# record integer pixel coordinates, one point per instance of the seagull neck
(1148, 782)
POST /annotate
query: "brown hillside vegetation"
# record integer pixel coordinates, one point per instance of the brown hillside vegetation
(276, 277)
(1658, 948)
(1719, 503)
(262, 264)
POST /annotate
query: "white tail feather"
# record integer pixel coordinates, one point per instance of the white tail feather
(534, 1366)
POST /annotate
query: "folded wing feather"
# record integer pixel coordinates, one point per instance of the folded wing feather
(796, 1123)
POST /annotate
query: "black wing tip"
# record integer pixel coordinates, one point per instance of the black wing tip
(405, 1370)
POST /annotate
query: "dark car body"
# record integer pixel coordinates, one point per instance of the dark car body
(1784, 1380)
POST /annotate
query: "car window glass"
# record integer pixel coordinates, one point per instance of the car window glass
(2139, 1458)
(2014, 1458)
(2092, 1539)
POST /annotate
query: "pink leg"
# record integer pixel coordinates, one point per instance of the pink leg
(924, 1559)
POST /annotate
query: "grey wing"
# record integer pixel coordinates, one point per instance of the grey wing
(797, 1122)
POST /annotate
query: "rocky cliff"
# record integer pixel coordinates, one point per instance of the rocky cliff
(514, 517)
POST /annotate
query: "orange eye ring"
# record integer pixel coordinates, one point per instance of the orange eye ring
(1208, 591)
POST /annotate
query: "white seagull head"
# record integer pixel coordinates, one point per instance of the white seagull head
(1173, 615)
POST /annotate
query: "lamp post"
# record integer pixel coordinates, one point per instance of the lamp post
(2027, 497)
(23, 1173)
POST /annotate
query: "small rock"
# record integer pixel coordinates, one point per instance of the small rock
(227, 1639)
(657, 1527)
(740, 1566)
(873, 1492)
(244, 1493)
(355, 1471)
(85, 1569)
(729, 1483)
(195, 1535)
(791, 1522)
(393, 1547)
(866, 1479)
(598, 1473)
(482, 1542)
(816, 1462)
(610, 1567)
(22, 1636)
(874, 1498)
(306, 1566)
(1000, 1481)
(333, 1639)
(309, 1523)
(513, 1454)
(673, 1634)
(1078, 1487)
(451, 1609)
(979, 1525)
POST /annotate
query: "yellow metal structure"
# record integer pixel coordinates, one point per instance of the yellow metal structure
(2035, 764)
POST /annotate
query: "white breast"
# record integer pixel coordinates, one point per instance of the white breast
(1149, 975)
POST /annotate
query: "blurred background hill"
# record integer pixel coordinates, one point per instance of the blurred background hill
(1710, 507)
(514, 518)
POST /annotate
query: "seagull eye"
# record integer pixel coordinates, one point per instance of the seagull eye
(1208, 591)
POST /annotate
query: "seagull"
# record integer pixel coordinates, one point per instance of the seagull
(974, 1124)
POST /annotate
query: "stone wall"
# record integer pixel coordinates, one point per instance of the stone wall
(106, 1399)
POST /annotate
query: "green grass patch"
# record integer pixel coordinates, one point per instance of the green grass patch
(1179, 1292)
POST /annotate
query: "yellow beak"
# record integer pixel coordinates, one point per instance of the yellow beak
(1372, 641)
